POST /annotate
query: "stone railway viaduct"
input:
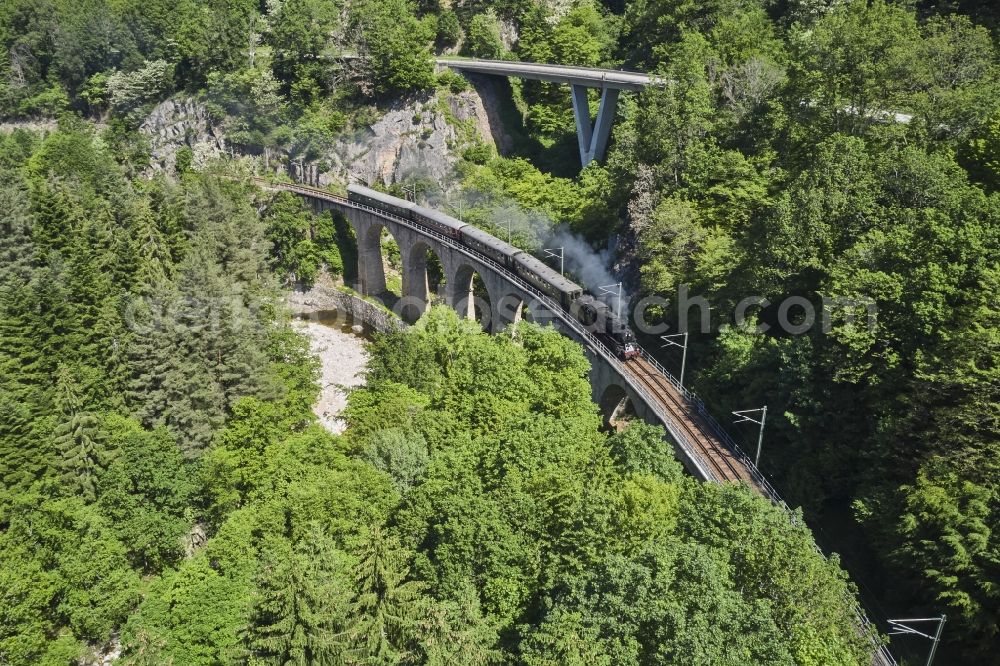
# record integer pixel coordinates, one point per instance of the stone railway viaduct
(642, 386)
(700, 443)
(509, 298)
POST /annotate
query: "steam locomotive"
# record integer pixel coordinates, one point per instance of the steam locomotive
(594, 314)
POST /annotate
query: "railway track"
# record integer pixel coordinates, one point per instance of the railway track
(724, 463)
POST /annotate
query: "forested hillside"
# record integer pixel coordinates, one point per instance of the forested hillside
(157, 448)
(166, 486)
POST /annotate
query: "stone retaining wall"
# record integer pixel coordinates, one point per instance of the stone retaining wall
(325, 297)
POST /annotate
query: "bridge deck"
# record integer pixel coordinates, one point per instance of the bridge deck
(582, 76)
(724, 464)
(594, 77)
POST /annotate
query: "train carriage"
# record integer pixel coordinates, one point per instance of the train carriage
(375, 199)
(550, 282)
(438, 221)
(494, 248)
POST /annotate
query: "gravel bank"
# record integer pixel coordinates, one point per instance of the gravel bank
(344, 360)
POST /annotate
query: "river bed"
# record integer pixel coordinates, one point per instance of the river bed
(341, 350)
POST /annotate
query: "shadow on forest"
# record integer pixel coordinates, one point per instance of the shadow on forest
(511, 135)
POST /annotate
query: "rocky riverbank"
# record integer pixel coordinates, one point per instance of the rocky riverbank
(344, 358)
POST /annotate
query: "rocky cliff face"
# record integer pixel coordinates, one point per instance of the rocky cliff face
(177, 123)
(416, 139)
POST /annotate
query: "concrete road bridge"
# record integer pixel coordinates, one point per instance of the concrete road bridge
(592, 137)
(641, 384)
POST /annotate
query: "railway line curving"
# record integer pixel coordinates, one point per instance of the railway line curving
(711, 450)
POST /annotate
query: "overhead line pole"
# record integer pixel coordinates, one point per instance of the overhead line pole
(746, 419)
(899, 629)
(669, 339)
(561, 256)
(617, 290)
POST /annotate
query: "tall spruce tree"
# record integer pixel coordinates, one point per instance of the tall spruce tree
(78, 439)
(23, 455)
(170, 384)
(386, 608)
(149, 248)
(301, 604)
(81, 459)
(16, 247)
(57, 209)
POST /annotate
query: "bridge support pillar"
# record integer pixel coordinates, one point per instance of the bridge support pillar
(507, 310)
(368, 231)
(593, 139)
(416, 288)
(458, 287)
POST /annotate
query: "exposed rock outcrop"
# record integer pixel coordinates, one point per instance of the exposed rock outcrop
(47, 125)
(415, 139)
(508, 34)
(174, 124)
(493, 94)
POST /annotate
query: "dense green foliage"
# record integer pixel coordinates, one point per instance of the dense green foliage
(124, 351)
(577, 546)
(165, 481)
(301, 242)
(770, 163)
(164, 478)
(738, 188)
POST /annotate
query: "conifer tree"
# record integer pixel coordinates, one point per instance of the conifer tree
(454, 632)
(23, 458)
(300, 605)
(169, 383)
(16, 345)
(79, 443)
(57, 210)
(16, 247)
(88, 278)
(386, 608)
(110, 354)
(66, 396)
(172, 363)
(148, 247)
(37, 330)
(78, 439)
(149, 352)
